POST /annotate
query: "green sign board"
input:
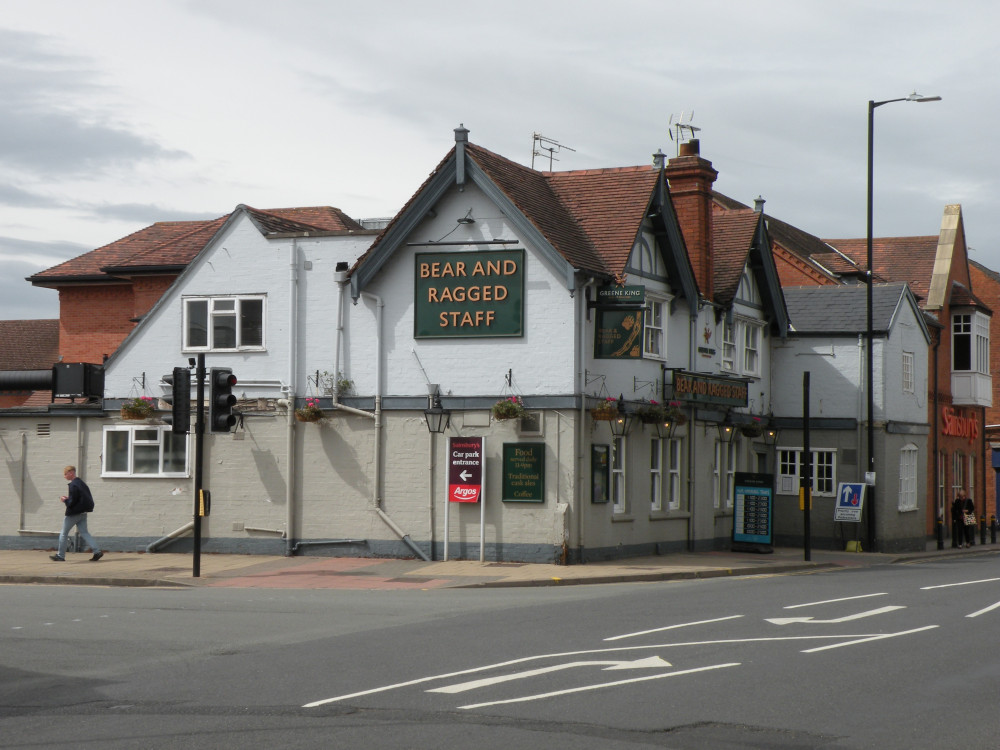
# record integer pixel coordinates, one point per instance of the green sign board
(524, 472)
(710, 389)
(621, 295)
(618, 334)
(469, 294)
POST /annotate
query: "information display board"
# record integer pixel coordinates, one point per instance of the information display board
(523, 472)
(753, 508)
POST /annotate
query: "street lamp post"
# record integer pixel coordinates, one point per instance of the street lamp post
(869, 354)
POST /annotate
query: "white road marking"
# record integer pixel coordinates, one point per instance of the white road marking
(847, 618)
(568, 691)
(962, 583)
(652, 662)
(984, 610)
(672, 627)
(525, 659)
(833, 601)
(868, 639)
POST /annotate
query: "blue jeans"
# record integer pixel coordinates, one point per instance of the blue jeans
(80, 521)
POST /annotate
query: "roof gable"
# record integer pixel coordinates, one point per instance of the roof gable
(740, 241)
(584, 221)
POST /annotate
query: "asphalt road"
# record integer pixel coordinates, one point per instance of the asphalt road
(888, 657)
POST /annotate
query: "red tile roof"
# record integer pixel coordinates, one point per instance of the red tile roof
(590, 217)
(29, 344)
(170, 245)
(732, 237)
(909, 259)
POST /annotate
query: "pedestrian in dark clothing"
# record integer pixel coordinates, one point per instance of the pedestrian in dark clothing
(79, 502)
(958, 521)
(969, 508)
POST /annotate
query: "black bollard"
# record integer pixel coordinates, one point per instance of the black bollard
(982, 530)
(993, 529)
(940, 532)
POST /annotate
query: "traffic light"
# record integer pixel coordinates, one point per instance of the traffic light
(221, 400)
(179, 400)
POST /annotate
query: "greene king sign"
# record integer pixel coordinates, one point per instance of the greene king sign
(469, 294)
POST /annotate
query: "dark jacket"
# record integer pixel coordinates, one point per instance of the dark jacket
(79, 499)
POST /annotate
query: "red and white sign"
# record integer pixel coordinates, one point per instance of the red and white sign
(465, 469)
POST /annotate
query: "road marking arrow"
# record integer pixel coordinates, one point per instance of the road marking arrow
(858, 616)
(652, 662)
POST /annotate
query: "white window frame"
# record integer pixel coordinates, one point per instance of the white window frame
(742, 342)
(752, 335)
(907, 371)
(790, 458)
(618, 475)
(957, 467)
(655, 474)
(218, 307)
(729, 347)
(654, 337)
(724, 474)
(908, 478)
(971, 482)
(672, 463)
(140, 437)
(974, 329)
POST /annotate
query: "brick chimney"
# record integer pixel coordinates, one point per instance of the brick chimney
(691, 178)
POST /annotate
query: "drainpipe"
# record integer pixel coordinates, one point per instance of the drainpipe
(692, 442)
(340, 278)
(582, 470)
(293, 375)
(376, 481)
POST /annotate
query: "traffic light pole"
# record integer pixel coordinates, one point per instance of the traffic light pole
(199, 439)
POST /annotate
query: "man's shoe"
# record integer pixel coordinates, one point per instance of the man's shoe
(57, 558)
(97, 556)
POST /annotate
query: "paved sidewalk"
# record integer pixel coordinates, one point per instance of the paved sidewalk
(257, 571)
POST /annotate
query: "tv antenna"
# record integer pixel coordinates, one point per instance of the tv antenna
(681, 130)
(540, 144)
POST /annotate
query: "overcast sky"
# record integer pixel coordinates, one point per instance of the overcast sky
(117, 114)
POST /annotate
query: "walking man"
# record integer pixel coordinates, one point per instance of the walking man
(79, 502)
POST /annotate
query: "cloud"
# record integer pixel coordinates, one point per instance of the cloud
(146, 213)
(49, 124)
(19, 300)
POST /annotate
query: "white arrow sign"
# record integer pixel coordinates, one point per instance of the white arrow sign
(858, 616)
(653, 662)
(465, 475)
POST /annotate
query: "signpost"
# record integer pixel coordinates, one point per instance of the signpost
(850, 502)
(849, 508)
(466, 483)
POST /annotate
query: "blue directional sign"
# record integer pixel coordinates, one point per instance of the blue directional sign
(850, 501)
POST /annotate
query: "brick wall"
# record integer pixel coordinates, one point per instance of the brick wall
(691, 179)
(93, 321)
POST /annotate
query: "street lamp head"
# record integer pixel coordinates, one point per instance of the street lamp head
(915, 97)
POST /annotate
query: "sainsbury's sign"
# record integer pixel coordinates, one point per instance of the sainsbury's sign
(954, 424)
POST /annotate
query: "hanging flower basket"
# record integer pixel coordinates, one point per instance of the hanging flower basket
(606, 410)
(508, 408)
(652, 412)
(310, 412)
(141, 407)
(752, 429)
